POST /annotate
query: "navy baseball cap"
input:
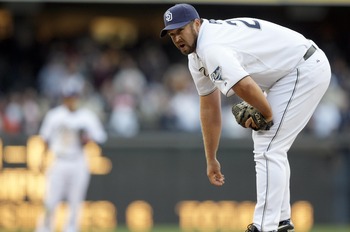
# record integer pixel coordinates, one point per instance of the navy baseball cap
(71, 88)
(178, 16)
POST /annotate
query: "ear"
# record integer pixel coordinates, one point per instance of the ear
(197, 24)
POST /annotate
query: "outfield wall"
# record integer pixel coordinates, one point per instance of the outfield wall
(164, 169)
(161, 178)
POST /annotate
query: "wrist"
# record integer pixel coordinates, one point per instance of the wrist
(210, 158)
(269, 119)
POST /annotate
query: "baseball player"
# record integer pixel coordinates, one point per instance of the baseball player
(276, 70)
(66, 129)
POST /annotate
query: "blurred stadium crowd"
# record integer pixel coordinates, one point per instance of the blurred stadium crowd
(144, 87)
(131, 91)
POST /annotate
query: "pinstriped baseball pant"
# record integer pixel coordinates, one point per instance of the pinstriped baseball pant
(293, 99)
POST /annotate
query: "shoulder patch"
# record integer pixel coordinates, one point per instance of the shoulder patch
(216, 75)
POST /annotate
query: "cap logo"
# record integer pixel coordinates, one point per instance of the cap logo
(168, 16)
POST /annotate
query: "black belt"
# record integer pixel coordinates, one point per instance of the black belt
(309, 52)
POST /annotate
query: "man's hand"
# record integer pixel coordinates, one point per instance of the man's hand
(83, 136)
(249, 117)
(214, 173)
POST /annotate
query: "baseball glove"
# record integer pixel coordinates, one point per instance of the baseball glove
(243, 111)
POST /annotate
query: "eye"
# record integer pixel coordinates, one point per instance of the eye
(177, 32)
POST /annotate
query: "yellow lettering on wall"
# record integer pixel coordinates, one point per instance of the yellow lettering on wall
(7, 215)
(98, 164)
(17, 184)
(15, 154)
(13, 184)
(103, 214)
(35, 153)
(35, 186)
(185, 210)
(22, 189)
(139, 216)
(212, 216)
(26, 214)
(302, 215)
(246, 211)
(226, 214)
(206, 216)
(1, 155)
(232, 216)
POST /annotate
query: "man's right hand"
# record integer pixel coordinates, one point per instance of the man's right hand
(214, 173)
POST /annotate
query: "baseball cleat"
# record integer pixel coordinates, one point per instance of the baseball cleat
(285, 226)
(252, 228)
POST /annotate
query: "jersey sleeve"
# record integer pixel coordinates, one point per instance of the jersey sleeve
(45, 130)
(200, 76)
(223, 67)
(94, 127)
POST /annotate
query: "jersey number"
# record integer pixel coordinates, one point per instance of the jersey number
(255, 24)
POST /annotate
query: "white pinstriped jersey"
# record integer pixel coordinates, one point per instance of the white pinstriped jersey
(228, 50)
(61, 128)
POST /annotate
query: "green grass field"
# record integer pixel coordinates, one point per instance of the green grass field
(175, 228)
(170, 228)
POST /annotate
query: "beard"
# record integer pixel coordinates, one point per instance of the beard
(188, 49)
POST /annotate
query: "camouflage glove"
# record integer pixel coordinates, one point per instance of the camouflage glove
(243, 111)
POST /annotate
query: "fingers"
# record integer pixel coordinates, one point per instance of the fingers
(250, 123)
(214, 172)
(217, 179)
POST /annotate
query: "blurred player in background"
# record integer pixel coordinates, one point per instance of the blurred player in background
(276, 70)
(65, 130)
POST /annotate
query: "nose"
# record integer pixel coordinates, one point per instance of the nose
(176, 38)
